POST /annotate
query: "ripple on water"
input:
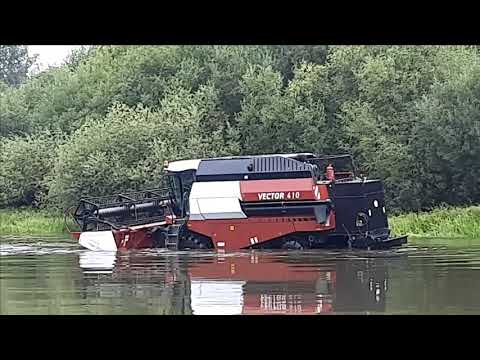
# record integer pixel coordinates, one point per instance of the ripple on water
(34, 245)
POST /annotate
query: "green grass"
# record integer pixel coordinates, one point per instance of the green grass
(31, 222)
(439, 223)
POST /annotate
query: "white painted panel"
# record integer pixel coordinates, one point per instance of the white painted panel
(182, 165)
(209, 297)
(98, 241)
(216, 200)
(221, 208)
(217, 189)
(195, 213)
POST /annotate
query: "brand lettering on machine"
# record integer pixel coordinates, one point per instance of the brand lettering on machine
(279, 195)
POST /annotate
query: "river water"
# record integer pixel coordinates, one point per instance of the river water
(54, 276)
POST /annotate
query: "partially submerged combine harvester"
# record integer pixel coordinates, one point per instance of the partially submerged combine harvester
(286, 201)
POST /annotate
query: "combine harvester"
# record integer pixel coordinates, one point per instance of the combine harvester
(284, 201)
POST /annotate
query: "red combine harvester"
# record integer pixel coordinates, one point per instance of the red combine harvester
(289, 201)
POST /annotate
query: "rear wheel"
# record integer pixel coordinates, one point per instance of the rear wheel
(192, 241)
(296, 244)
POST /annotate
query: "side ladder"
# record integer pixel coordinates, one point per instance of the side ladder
(172, 238)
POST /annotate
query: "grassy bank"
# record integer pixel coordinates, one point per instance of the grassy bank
(444, 223)
(32, 222)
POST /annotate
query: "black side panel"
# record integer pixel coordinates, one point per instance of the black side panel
(223, 169)
(351, 198)
(252, 168)
(319, 209)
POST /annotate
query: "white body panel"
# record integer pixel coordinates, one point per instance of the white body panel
(221, 208)
(98, 240)
(182, 165)
(216, 200)
(218, 189)
(195, 213)
(216, 297)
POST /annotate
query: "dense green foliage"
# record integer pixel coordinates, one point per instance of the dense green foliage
(15, 62)
(106, 120)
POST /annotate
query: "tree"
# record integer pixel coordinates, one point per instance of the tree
(24, 164)
(409, 115)
(15, 62)
(446, 142)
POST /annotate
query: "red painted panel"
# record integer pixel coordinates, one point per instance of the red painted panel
(261, 228)
(323, 190)
(132, 239)
(136, 239)
(278, 189)
(308, 226)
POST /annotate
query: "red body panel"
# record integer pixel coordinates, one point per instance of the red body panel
(237, 233)
(132, 239)
(136, 239)
(278, 189)
(323, 191)
(282, 190)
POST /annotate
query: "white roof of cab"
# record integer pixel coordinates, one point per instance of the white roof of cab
(182, 165)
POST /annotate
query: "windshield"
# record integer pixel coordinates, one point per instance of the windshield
(175, 184)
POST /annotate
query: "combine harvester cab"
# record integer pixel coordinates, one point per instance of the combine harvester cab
(287, 201)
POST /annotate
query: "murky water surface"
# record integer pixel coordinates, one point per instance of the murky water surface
(55, 276)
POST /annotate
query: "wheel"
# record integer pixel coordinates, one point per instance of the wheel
(201, 243)
(294, 244)
(192, 241)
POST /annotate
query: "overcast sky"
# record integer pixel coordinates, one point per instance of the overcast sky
(51, 55)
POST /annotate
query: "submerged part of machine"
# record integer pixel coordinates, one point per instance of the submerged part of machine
(292, 201)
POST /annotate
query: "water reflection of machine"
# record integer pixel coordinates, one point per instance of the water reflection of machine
(134, 283)
(245, 283)
(267, 284)
(260, 284)
(101, 262)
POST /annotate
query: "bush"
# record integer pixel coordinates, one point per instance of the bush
(24, 164)
(126, 150)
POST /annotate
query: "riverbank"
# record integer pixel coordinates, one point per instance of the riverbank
(444, 223)
(439, 223)
(31, 222)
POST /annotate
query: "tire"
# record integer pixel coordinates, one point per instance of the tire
(294, 245)
(191, 241)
